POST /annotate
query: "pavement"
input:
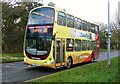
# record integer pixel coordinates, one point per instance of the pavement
(18, 72)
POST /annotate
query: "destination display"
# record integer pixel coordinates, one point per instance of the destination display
(40, 29)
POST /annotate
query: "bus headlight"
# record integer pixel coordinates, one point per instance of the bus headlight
(50, 62)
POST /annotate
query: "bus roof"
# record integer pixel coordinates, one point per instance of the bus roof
(63, 10)
(59, 9)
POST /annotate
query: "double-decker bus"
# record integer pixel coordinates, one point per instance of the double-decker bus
(55, 39)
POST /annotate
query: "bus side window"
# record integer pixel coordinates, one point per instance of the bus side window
(76, 23)
(77, 45)
(85, 26)
(82, 25)
(88, 25)
(70, 21)
(88, 45)
(84, 45)
(96, 29)
(61, 18)
(92, 45)
(92, 28)
(70, 45)
(79, 24)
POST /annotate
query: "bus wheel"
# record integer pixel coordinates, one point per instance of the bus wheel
(69, 62)
(92, 58)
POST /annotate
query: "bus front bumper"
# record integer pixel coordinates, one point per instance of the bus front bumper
(43, 63)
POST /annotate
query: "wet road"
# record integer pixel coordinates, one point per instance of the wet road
(103, 55)
(18, 72)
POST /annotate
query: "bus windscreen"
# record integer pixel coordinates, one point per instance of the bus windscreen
(38, 46)
(41, 16)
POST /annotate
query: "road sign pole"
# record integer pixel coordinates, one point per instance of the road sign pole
(118, 24)
(108, 45)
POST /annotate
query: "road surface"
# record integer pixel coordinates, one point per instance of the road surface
(17, 72)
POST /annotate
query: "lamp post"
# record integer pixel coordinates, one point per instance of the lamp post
(118, 24)
(108, 45)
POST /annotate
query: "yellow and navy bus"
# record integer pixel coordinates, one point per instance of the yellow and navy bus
(55, 39)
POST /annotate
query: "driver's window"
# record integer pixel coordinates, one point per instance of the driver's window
(40, 44)
(32, 43)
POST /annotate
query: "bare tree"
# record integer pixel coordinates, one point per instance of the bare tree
(115, 29)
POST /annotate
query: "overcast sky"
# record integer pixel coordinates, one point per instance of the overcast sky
(90, 10)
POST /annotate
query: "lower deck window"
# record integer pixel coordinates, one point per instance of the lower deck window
(77, 45)
(69, 45)
(84, 46)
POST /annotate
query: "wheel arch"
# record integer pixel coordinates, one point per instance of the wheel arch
(71, 59)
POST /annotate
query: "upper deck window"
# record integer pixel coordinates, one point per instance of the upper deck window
(88, 26)
(85, 26)
(96, 29)
(61, 18)
(41, 16)
(82, 25)
(92, 28)
(77, 23)
(70, 21)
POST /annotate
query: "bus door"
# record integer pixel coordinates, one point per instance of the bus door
(60, 52)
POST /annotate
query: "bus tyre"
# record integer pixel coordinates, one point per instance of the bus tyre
(92, 58)
(69, 62)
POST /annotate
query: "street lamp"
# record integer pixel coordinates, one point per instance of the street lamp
(108, 38)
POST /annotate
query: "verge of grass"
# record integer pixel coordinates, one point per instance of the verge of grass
(12, 54)
(13, 57)
(95, 72)
(105, 50)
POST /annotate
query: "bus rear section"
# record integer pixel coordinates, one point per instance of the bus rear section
(97, 45)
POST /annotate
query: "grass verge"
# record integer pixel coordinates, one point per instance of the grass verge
(95, 72)
(13, 57)
(105, 50)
